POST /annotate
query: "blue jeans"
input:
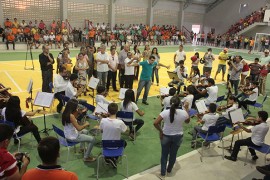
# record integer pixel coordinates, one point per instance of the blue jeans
(146, 84)
(169, 145)
(82, 138)
(102, 76)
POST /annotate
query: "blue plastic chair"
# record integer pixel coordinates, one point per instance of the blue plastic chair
(15, 134)
(62, 139)
(265, 149)
(112, 148)
(259, 105)
(215, 133)
(192, 112)
(126, 115)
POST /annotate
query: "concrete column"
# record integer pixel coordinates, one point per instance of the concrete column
(63, 9)
(2, 20)
(112, 13)
(181, 15)
(150, 8)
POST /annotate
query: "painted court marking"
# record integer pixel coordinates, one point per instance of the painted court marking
(14, 82)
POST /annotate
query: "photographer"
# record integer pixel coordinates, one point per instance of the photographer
(236, 70)
(8, 163)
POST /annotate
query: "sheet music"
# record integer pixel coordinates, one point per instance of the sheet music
(93, 82)
(30, 86)
(237, 115)
(164, 90)
(44, 99)
(201, 107)
(101, 108)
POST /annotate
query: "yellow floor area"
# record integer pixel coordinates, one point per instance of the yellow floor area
(12, 74)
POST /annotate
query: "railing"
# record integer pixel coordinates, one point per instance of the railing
(68, 26)
(186, 33)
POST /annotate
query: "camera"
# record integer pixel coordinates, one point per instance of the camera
(202, 61)
(19, 158)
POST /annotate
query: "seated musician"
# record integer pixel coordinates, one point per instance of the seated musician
(252, 96)
(4, 96)
(189, 97)
(182, 74)
(204, 78)
(101, 95)
(257, 137)
(166, 101)
(244, 88)
(211, 90)
(208, 119)
(60, 85)
(232, 104)
(71, 91)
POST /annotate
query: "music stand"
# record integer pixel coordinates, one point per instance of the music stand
(173, 75)
(93, 82)
(29, 48)
(44, 100)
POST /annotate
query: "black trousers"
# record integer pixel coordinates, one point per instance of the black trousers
(46, 79)
(245, 103)
(243, 142)
(122, 77)
(10, 42)
(111, 77)
(28, 126)
(61, 103)
(138, 122)
(129, 81)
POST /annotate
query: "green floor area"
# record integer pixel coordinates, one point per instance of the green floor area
(144, 154)
(11, 56)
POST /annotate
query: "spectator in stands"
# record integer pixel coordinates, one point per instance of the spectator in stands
(41, 26)
(23, 24)
(37, 40)
(10, 39)
(49, 152)
(8, 163)
(16, 23)
(58, 40)
(8, 23)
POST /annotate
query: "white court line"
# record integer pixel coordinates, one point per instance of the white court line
(12, 64)
(25, 91)
(14, 82)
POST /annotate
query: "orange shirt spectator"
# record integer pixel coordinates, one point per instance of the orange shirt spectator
(26, 30)
(37, 37)
(91, 34)
(14, 30)
(8, 23)
(58, 37)
(10, 37)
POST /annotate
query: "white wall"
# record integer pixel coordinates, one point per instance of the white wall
(227, 13)
(194, 14)
(258, 29)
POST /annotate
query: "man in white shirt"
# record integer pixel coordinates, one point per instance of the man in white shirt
(253, 96)
(211, 90)
(179, 55)
(102, 65)
(113, 64)
(207, 120)
(182, 73)
(71, 90)
(209, 58)
(257, 137)
(60, 85)
(129, 70)
(111, 129)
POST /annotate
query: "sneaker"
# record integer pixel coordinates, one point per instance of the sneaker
(89, 159)
(161, 177)
(230, 158)
(146, 103)
(254, 158)
(264, 169)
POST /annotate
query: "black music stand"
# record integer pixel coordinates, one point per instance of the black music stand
(93, 82)
(44, 100)
(30, 91)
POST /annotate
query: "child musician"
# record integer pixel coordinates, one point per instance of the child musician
(101, 95)
(166, 101)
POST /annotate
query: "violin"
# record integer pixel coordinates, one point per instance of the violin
(4, 94)
(220, 108)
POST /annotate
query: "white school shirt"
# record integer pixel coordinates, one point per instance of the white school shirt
(175, 128)
(131, 107)
(258, 133)
(101, 99)
(166, 102)
(46, 37)
(113, 61)
(3, 113)
(179, 56)
(70, 90)
(70, 131)
(254, 96)
(179, 74)
(129, 70)
(209, 119)
(112, 128)
(212, 95)
(189, 98)
(59, 83)
(102, 67)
